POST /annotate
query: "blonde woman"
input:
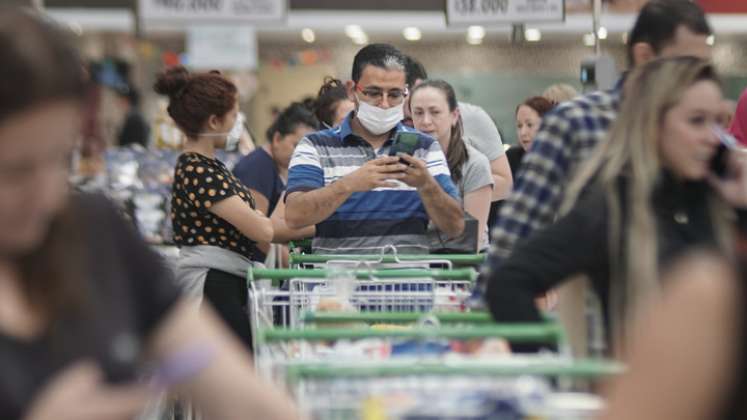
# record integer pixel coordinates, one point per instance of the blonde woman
(648, 195)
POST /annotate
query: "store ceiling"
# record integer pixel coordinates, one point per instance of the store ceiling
(293, 4)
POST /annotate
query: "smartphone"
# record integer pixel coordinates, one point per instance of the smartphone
(719, 162)
(404, 143)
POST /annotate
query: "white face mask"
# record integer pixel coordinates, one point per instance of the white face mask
(379, 120)
(232, 137)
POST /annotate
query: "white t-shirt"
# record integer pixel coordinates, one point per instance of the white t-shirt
(480, 131)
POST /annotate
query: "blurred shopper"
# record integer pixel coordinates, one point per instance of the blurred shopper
(265, 171)
(343, 180)
(215, 219)
(480, 132)
(560, 92)
(687, 357)
(663, 28)
(332, 104)
(435, 112)
(738, 126)
(85, 304)
(528, 119)
(650, 195)
(134, 128)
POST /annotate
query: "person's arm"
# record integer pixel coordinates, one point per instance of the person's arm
(284, 234)
(683, 352)
(537, 189)
(228, 386)
(443, 209)
(477, 204)
(307, 208)
(248, 221)
(545, 259)
(502, 178)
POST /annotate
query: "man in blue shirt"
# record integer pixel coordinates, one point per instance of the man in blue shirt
(343, 180)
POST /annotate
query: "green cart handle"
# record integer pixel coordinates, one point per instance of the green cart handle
(276, 276)
(461, 260)
(577, 369)
(320, 318)
(516, 333)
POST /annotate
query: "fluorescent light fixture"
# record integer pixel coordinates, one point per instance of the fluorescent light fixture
(602, 32)
(474, 41)
(532, 34)
(308, 35)
(589, 39)
(354, 31)
(412, 33)
(361, 39)
(476, 32)
(76, 28)
(711, 39)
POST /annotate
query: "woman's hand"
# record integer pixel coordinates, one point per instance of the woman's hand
(78, 393)
(733, 187)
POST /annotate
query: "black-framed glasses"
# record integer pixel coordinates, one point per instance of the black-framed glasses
(375, 96)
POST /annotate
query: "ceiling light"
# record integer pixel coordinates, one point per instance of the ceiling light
(76, 28)
(354, 31)
(412, 33)
(476, 32)
(602, 32)
(532, 34)
(308, 35)
(361, 39)
(589, 39)
(711, 39)
(474, 41)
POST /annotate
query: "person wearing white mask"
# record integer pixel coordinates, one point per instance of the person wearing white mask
(214, 217)
(348, 182)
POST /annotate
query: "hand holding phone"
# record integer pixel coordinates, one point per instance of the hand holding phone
(720, 161)
(404, 143)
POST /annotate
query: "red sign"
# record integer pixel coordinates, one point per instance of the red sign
(724, 6)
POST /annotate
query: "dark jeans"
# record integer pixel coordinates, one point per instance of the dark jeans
(228, 294)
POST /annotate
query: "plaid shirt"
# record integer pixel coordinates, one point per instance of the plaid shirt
(566, 137)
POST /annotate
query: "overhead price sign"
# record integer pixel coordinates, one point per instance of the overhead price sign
(192, 11)
(466, 12)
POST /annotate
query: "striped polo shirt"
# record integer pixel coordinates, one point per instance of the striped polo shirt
(366, 221)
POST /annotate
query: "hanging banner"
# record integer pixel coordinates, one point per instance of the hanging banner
(467, 12)
(196, 11)
(222, 47)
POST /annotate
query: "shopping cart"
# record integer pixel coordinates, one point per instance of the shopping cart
(332, 386)
(388, 258)
(392, 290)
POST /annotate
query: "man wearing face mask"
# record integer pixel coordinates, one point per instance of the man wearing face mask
(343, 180)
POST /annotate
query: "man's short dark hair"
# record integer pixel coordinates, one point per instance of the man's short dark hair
(414, 71)
(658, 21)
(385, 56)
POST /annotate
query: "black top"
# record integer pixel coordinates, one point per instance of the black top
(199, 183)
(134, 130)
(514, 155)
(129, 292)
(257, 171)
(578, 244)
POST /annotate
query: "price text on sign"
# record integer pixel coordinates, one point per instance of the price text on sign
(504, 11)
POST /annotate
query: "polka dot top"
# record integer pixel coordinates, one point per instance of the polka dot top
(199, 183)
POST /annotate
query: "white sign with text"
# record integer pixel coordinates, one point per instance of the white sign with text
(223, 47)
(212, 10)
(466, 12)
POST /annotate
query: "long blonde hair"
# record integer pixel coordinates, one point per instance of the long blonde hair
(632, 150)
